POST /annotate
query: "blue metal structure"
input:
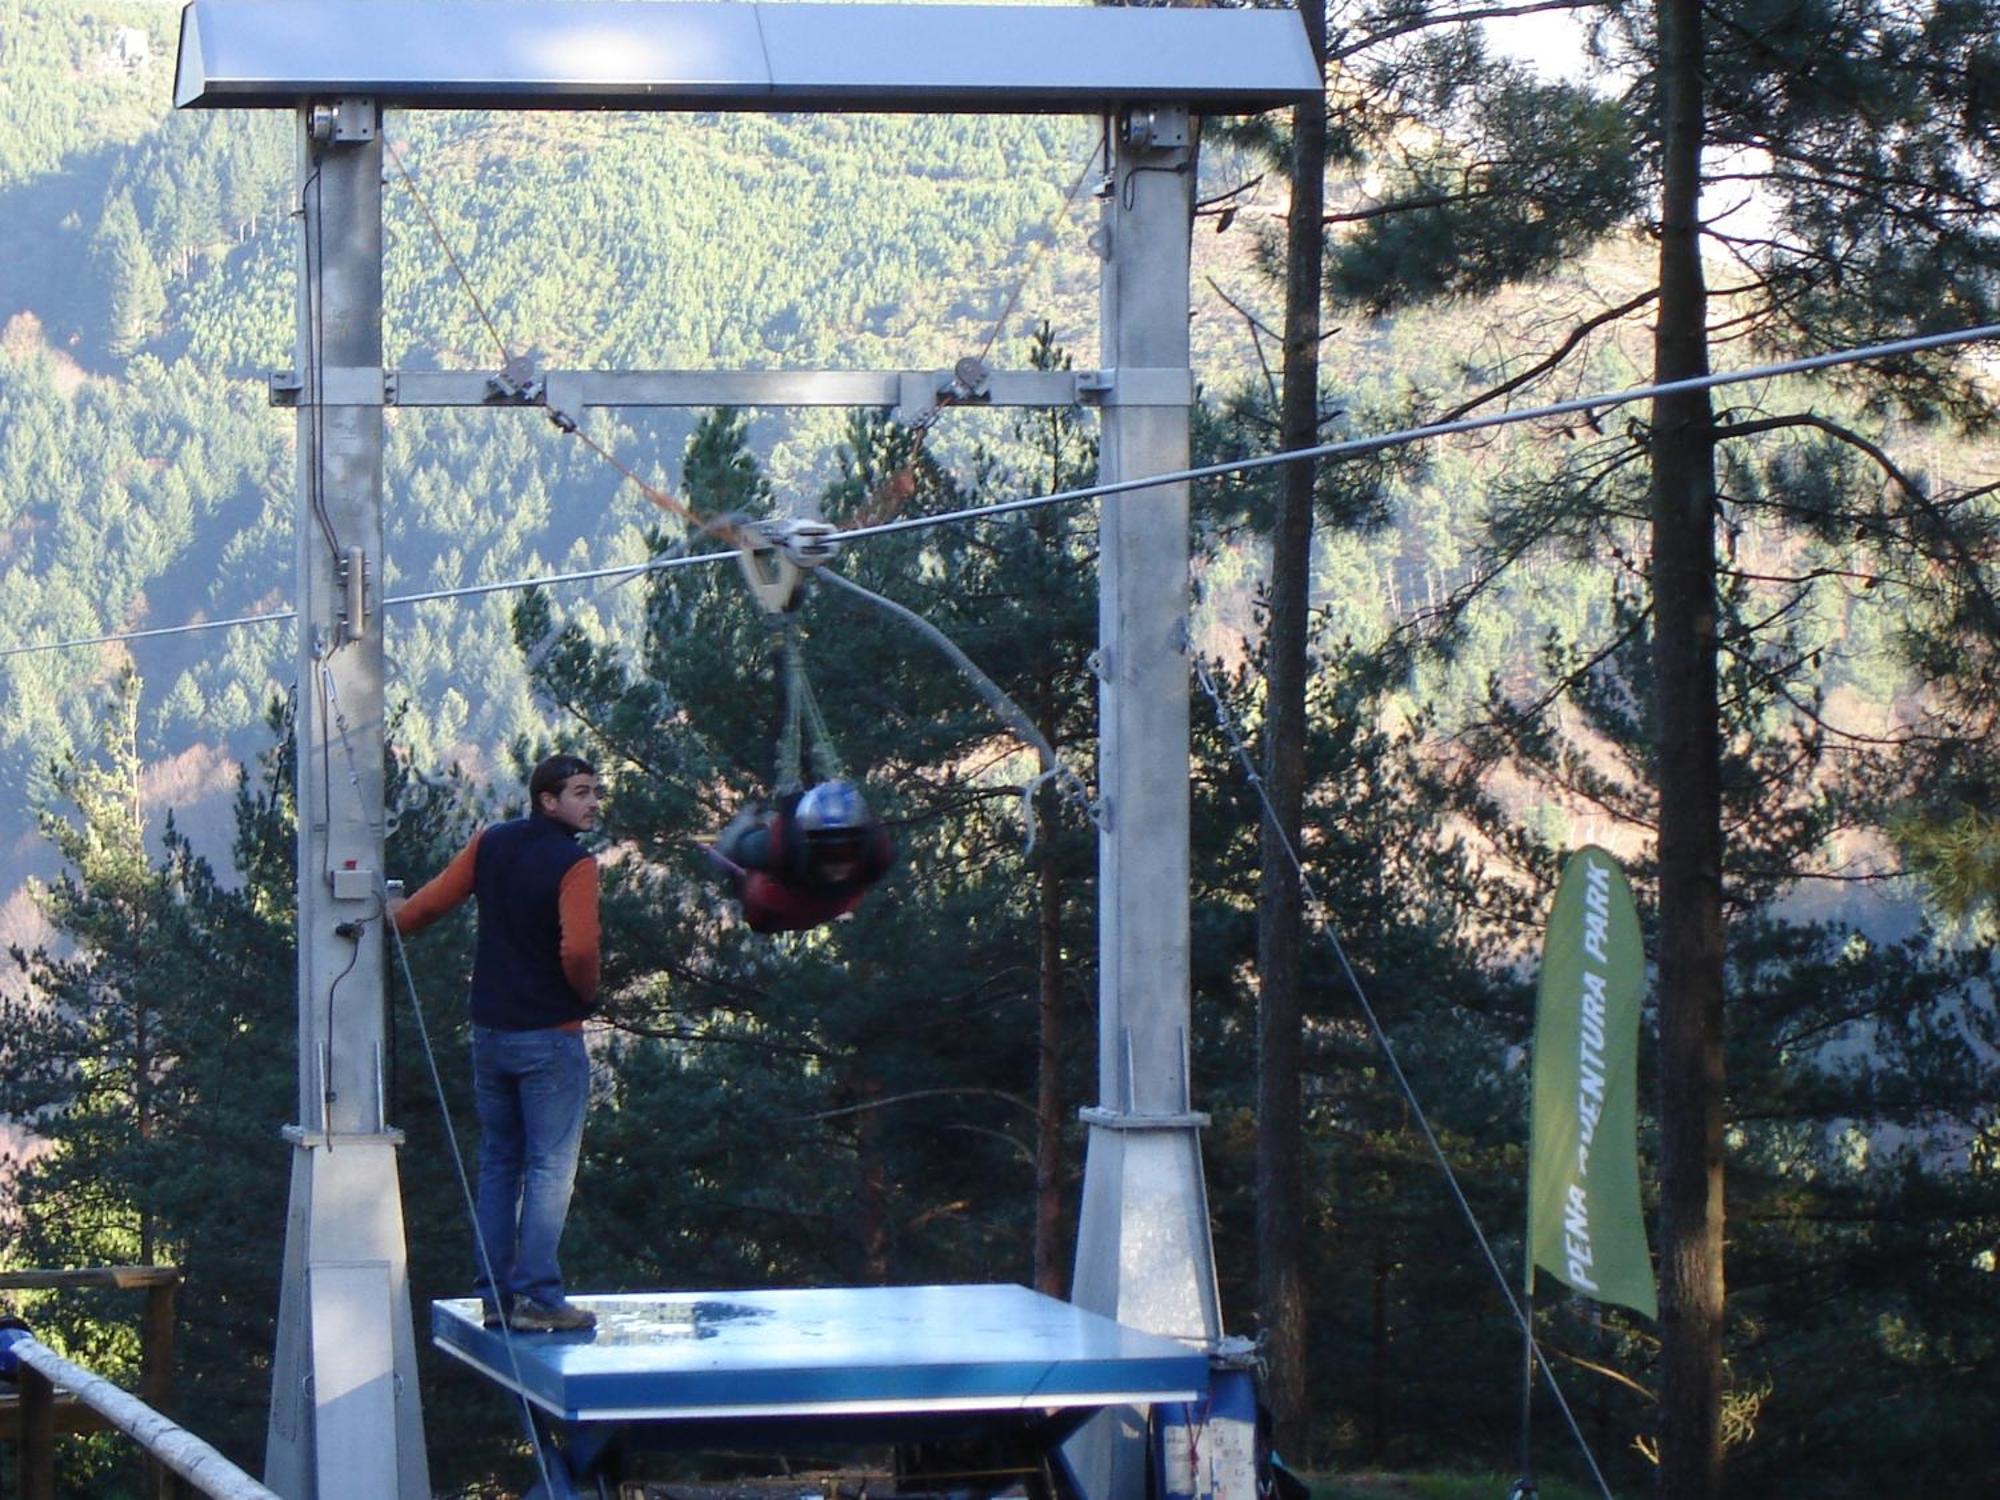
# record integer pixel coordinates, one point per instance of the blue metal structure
(764, 1370)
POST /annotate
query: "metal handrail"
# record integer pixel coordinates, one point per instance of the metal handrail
(175, 1447)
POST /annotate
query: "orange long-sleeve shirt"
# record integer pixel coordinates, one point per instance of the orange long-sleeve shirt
(576, 912)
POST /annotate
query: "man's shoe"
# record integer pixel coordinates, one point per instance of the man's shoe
(530, 1316)
(493, 1314)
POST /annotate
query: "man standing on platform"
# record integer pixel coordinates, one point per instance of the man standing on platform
(534, 979)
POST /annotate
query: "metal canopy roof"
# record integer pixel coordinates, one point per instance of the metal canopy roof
(637, 54)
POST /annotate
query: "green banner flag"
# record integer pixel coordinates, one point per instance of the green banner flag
(1585, 1225)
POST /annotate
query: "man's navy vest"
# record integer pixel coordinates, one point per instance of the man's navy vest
(517, 974)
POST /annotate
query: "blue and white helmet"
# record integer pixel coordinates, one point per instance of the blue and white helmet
(832, 809)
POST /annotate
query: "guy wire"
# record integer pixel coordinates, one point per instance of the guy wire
(564, 421)
(1318, 910)
(451, 256)
(464, 1181)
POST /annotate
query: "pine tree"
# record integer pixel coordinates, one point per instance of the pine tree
(1853, 1061)
(134, 293)
(1529, 219)
(1870, 137)
(151, 1055)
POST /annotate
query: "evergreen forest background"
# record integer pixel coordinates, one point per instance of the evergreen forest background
(893, 1099)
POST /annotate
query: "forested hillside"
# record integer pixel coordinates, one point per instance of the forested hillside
(894, 1098)
(148, 294)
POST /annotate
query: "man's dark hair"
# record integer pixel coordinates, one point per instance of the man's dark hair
(553, 774)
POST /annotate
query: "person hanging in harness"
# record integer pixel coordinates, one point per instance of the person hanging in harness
(810, 854)
(807, 859)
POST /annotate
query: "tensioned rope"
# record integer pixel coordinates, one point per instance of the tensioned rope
(465, 1185)
(465, 591)
(723, 529)
(1346, 448)
(895, 492)
(1353, 447)
(444, 244)
(1042, 243)
(1318, 910)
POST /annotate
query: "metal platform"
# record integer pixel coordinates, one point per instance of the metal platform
(714, 1357)
(770, 1370)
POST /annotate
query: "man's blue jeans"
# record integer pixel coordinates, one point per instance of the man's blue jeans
(532, 1089)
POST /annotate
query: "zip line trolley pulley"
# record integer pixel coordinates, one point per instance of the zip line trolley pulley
(776, 556)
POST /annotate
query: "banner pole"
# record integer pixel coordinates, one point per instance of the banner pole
(1524, 1487)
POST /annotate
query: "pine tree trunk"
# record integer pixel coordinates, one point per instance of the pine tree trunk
(1280, 1144)
(1378, 1354)
(1690, 806)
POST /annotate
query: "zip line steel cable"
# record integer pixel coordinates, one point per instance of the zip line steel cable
(1317, 909)
(1353, 447)
(463, 591)
(1346, 448)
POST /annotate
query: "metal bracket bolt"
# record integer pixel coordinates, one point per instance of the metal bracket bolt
(971, 380)
(516, 384)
